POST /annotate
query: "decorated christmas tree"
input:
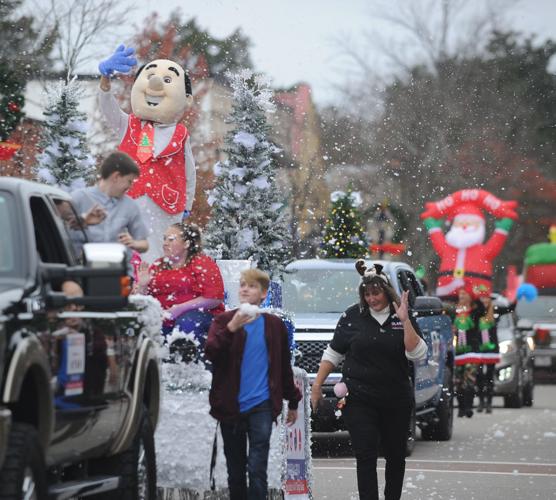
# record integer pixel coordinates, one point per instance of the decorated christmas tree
(344, 237)
(65, 159)
(11, 106)
(248, 220)
(11, 101)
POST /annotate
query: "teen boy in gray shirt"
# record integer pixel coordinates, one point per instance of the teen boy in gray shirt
(121, 220)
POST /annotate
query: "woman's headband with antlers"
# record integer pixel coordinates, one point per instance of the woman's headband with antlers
(374, 271)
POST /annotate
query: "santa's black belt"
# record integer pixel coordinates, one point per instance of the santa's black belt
(471, 274)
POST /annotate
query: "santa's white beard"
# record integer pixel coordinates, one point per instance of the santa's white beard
(458, 237)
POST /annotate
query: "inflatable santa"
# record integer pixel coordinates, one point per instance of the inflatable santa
(153, 135)
(465, 260)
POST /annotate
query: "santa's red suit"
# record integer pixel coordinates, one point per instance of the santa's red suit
(465, 261)
(465, 266)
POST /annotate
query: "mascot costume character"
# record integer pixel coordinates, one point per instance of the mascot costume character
(465, 261)
(154, 137)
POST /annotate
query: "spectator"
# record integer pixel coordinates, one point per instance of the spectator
(252, 374)
(375, 338)
(186, 282)
(122, 220)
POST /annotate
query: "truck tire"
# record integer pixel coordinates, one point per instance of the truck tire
(515, 400)
(24, 472)
(136, 467)
(440, 428)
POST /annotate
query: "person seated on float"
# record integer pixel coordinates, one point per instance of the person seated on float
(186, 282)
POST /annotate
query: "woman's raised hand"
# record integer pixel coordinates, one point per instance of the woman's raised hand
(402, 310)
(143, 275)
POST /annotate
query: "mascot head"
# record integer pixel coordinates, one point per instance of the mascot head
(468, 227)
(161, 92)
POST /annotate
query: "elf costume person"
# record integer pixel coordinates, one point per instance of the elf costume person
(464, 259)
(468, 357)
(489, 351)
(154, 137)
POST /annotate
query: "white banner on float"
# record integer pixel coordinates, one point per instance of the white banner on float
(298, 473)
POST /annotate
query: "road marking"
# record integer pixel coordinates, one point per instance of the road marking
(452, 471)
(467, 467)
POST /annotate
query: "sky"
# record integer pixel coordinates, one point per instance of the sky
(297, 40)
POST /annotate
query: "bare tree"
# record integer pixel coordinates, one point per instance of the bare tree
(82, 26)
(415, 69)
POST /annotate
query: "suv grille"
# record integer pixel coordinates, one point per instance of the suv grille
(311, 354)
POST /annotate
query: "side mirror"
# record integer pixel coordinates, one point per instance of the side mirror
(107, 264)
(524, 324)
(105, 279)
(428, 306)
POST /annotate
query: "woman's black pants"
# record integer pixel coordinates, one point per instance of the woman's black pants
(367, 425)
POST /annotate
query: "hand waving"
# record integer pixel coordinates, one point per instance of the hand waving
(121, 60)
(402, 310)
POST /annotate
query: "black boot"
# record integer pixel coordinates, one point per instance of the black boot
(461, 405)
(481, 406)
(469, 395)
(489, 403)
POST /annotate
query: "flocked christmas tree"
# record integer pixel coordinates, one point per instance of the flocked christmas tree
(248, 220)
(344, 237)
(65, 159)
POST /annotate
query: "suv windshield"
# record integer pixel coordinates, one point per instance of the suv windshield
(320, 290)
(543, 308)
(10, 261)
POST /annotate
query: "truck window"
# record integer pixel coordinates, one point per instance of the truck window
(50, 246)
(8, 255)
(66, 214)
(408, 282)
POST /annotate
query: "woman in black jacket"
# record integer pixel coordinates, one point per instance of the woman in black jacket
(375, 339)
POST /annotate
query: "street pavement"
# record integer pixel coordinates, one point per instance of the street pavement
(509, 454)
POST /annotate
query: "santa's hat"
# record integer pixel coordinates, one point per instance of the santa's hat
(467, 210)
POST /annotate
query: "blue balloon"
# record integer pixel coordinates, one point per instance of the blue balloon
(527, 291)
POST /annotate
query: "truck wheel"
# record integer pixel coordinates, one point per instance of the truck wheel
(136, 467)
(23, 474)
(440, 429)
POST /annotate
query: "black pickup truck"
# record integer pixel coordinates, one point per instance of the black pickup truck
(79, 373)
